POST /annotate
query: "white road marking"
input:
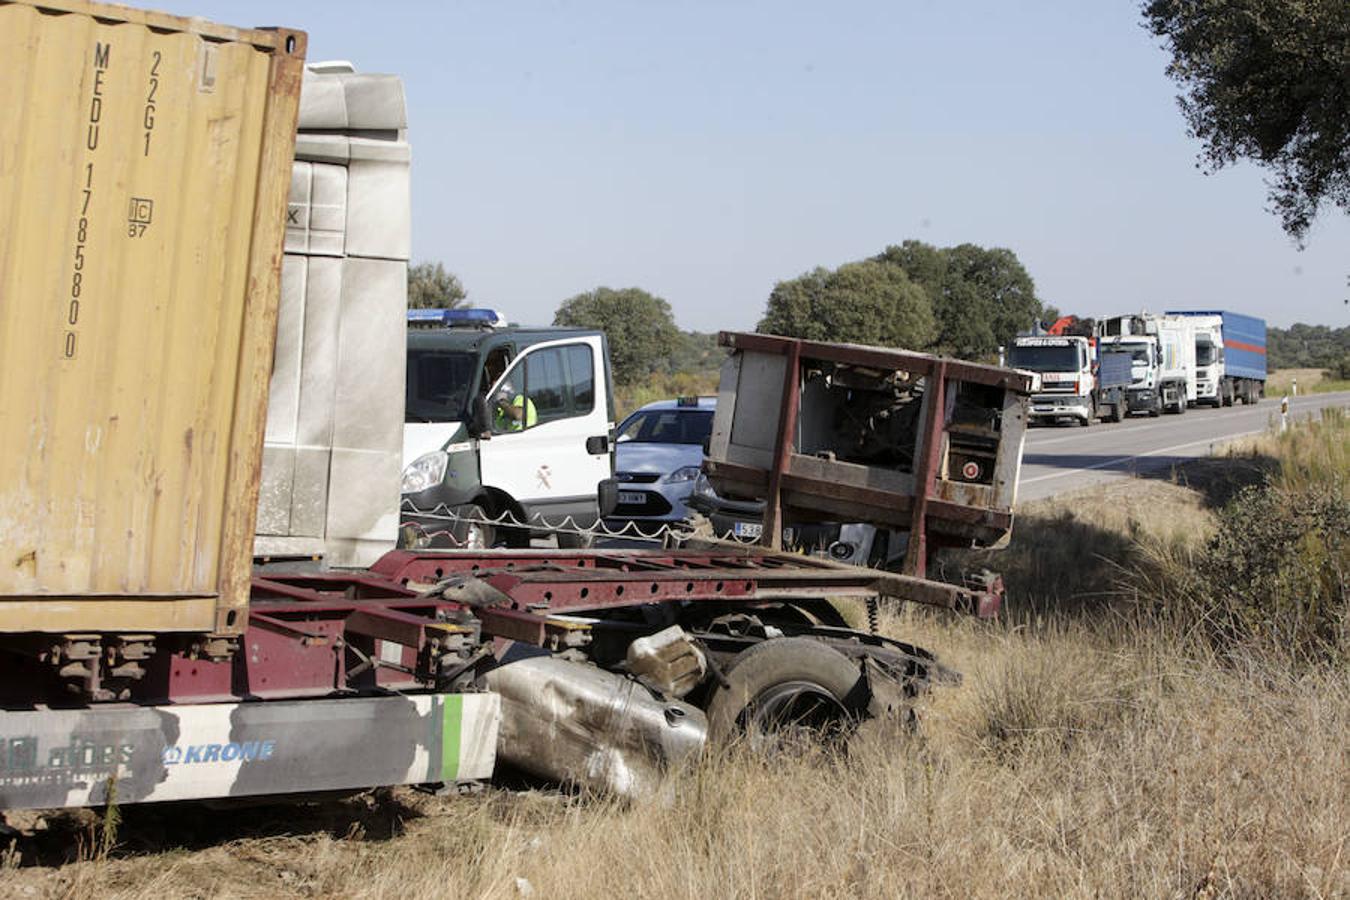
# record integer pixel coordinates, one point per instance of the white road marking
(1112, 462)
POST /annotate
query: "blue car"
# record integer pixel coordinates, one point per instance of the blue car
(658, 455)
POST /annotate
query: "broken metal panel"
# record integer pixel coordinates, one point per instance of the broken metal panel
(335, 424)
(58, 758)
(578, 724)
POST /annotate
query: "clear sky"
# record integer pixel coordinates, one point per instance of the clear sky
(706, 150)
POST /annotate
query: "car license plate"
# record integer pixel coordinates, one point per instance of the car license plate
(747, 529)
(636, 497)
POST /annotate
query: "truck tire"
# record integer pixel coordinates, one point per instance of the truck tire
(1226, 393)
(1091, 413)
(1157, 408)
(791, 682)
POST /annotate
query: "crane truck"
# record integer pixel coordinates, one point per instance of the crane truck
(1079, 379)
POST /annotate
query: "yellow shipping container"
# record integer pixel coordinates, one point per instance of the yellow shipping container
(144, 167)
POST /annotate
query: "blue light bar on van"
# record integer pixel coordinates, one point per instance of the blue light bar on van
(450, 318)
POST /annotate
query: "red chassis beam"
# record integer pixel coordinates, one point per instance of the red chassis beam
(313, 634)
(579, 581)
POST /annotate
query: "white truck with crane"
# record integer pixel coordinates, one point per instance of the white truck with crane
(1077, 380)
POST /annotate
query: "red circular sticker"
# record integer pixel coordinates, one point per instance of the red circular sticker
(971, 470)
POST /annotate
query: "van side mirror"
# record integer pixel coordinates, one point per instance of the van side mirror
(480, 418)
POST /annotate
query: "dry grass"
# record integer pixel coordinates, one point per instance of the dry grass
(1281, 380)
(1086, 754)
(1310, 381)
(1071, 763)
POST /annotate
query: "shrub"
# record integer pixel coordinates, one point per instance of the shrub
(1340, 371)
(1274, 577)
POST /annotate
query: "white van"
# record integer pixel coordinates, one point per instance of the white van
(502, 424)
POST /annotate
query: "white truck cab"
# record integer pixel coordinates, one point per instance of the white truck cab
(1209, 363)
(1164, 377)
(503, 424)
(1064, 364)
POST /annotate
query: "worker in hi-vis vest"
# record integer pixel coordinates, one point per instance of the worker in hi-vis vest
(515, 412)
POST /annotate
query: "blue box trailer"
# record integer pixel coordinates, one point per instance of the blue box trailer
(1244, 353)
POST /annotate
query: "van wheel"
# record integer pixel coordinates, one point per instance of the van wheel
(569, 540)
(470, 531)
(787, 686)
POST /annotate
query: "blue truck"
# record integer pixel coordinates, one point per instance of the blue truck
(1230, 356)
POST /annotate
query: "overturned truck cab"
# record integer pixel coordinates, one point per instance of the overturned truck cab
(925, 447)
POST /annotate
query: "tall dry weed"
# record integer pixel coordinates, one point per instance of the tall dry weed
(1274, 576)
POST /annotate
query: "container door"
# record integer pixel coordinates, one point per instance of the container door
(549, 447)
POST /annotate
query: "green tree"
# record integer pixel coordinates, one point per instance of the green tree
(1267, 81)
(1004, 288)
(863, 302)
(641, 330)
(980, 296)
(430, 286)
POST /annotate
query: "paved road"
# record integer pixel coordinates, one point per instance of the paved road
(1064, 458)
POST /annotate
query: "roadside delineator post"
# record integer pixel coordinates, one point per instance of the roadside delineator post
(1284, 413)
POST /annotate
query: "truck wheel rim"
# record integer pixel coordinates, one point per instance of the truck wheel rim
(794, 708)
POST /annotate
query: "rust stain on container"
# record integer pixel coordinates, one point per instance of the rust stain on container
(144, 166)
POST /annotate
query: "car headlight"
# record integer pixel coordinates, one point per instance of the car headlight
(425, 472)
(688, 473)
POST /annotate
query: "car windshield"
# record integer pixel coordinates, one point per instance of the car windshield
(667, 426)
(1044, 358)
(438, 385)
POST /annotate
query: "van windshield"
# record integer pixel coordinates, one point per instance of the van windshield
(1042, 358)
(438, 385)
